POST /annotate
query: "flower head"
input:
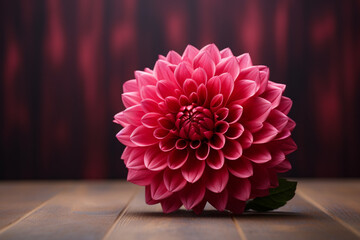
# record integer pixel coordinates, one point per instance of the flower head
(205, 127)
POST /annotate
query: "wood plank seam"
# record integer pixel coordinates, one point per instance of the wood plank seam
(239, 229)
(120, 215)
(10, 225)
(324, 210)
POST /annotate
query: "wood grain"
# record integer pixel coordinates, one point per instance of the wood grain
(85, 212)
(322, 209)
(340, 199)
(297, 220)
(149, 223)
(19, 198)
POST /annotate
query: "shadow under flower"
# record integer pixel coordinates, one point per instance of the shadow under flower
(181, 213)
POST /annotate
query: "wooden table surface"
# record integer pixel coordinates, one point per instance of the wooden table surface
(321, 209)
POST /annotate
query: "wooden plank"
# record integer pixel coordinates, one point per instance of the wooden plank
(146, 222)
(86, 212)
(297, 220)
(339, 198)
(17, 199)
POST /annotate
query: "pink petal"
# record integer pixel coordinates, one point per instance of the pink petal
(218, 200)
(217, 141)
(226, 52)
(228, 65)
(285, 105)
(244, 60)
(144, 79)
(173, 57)
(246, 139)
(172, 104)
(235, 112)
(148, 70)
(127, 151)
(235, 206)
(155, 159)
(227, 85)
(134, 114)
(195, 144)
(258, 154)
(183, 71)
(239, 188)
(161, 133)
(124, 136)
(216, 102)
(130, 99)
(203, 151)
(213, 87)
(216, 180)
(284, 134)
(221, 127)
(163, 72)
(184, 101)
(273, 94)
(140, 177)
(243, 89)
(288, 145)
(232, 149)
(260, 178)
(264, 78)
(234, 131)
(276, 158)
(150, 119)
(266, 134)
(120, 118)
(284, 166)
(189, 53)
(277, 119)
(203, 60)
(199, 76)
(174, 180)
(190, 86)
(130, 86)
(177, 158)
(149, 92)
(253, 126)
(258, 109)
(202, 94)
(143, 136)
(251, 73)
(136, 159)
(222, 113)
(148, 198)
(193, 169)
(213, 52)
(165, 88)
(199, 207)
(181, 144)
(158, 189)
(290, 125)
(149, 105)
(171, 204)
(193, 97)
(215, 159)
(192, 195)
(166, 123)
(241, 168)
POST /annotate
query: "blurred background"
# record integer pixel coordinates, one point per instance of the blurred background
(63, 63)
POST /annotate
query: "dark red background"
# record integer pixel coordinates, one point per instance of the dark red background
(63, 64)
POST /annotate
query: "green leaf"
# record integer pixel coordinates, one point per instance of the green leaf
(277, 197)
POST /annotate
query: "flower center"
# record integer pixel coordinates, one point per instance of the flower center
(194, 123)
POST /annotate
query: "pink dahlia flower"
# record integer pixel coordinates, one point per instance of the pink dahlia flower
(205, 126)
